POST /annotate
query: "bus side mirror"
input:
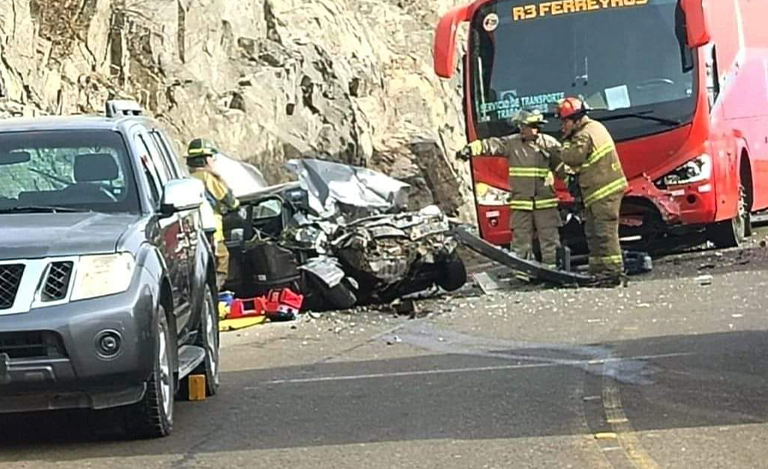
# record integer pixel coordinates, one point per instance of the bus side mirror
(445, 40)
(696, 23)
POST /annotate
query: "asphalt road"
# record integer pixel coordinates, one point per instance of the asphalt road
(666, 373)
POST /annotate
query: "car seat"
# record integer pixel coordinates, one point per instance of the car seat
(91, 171)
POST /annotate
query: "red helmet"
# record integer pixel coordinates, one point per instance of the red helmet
(571, 108)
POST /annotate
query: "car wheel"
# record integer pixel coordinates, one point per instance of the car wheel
(341, 296)
(208, 338)
(152, 417)
(731, 233)
(453, 274)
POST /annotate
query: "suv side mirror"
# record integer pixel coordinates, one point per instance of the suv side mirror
(181, 195)
(696, 23)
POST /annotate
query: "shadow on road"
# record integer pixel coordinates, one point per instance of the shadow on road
(693, 381)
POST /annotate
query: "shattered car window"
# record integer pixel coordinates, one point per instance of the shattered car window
(268, 209)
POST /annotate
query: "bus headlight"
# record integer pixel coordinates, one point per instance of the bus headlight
(697, 170)
(489, 195)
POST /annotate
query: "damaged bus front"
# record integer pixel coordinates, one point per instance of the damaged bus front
(670, 80)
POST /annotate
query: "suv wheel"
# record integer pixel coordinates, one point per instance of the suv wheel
(152, 417)
(208, 338)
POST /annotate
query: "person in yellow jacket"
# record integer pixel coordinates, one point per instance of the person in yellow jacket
(533, 158)
(589, 150)
(201, 154)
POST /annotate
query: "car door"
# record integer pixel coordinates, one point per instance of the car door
(190, 220)
(172, 239)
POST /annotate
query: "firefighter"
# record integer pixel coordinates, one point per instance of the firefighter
(532, 159)
(590, 152)
(201, 154)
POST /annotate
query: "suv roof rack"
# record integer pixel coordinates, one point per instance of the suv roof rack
(123, 107)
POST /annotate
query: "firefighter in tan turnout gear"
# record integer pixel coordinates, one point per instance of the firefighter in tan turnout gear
(201, 154)
(533, 158)
(590, 152)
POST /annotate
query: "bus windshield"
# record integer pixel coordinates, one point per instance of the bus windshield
(626, 58)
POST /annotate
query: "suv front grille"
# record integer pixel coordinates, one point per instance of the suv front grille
(34, 344)
(57, 282)
(10, 279)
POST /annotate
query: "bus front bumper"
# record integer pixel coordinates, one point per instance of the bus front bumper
(643, 196)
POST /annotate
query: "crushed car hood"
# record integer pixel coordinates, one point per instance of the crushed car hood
(264, 192)
(241, 177)
(332, 186)
(31, 236)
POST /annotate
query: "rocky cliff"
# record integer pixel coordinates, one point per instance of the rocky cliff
(346, 80)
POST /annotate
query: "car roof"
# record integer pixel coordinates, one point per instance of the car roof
(277, 189)
(70, 123)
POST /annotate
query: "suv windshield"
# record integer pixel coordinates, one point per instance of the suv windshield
(67, 171)
(628, 60)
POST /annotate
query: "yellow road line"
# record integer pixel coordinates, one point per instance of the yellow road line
(625, 434)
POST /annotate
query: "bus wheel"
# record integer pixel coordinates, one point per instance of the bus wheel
(731, 233)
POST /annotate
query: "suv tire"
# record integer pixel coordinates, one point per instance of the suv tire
(208, 339)
(152, 417)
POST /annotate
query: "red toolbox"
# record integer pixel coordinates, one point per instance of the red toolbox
(247, 307)
(281, 305)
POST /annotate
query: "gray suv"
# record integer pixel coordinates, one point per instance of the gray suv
(107, 282)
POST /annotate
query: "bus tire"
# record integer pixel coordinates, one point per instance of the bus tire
(732, 233)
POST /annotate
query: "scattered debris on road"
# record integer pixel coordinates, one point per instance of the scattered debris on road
(529, 267)
(486, 283)
(704, 280)
(394, 340)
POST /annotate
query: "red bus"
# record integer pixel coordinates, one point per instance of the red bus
(682, 85)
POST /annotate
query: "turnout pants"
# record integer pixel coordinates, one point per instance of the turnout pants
(602, 232)
(222, 263)
(545, 222)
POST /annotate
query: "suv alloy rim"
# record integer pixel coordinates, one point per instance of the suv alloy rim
(165, 370)
(210, 333)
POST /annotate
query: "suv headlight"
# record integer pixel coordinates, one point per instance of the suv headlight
(103, 275)
(696, 170)
(489, 195)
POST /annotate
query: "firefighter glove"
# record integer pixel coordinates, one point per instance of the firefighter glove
(549, 181)
(472, 149)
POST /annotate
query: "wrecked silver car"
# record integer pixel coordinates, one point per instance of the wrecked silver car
(395, 255)
(339, 236)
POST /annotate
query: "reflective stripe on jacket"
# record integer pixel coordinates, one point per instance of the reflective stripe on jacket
(530, 164)
(591, 153)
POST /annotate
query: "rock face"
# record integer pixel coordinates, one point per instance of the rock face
(345, 80)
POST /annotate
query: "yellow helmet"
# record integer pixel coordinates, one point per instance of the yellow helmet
(530, 118)
(201, 147)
